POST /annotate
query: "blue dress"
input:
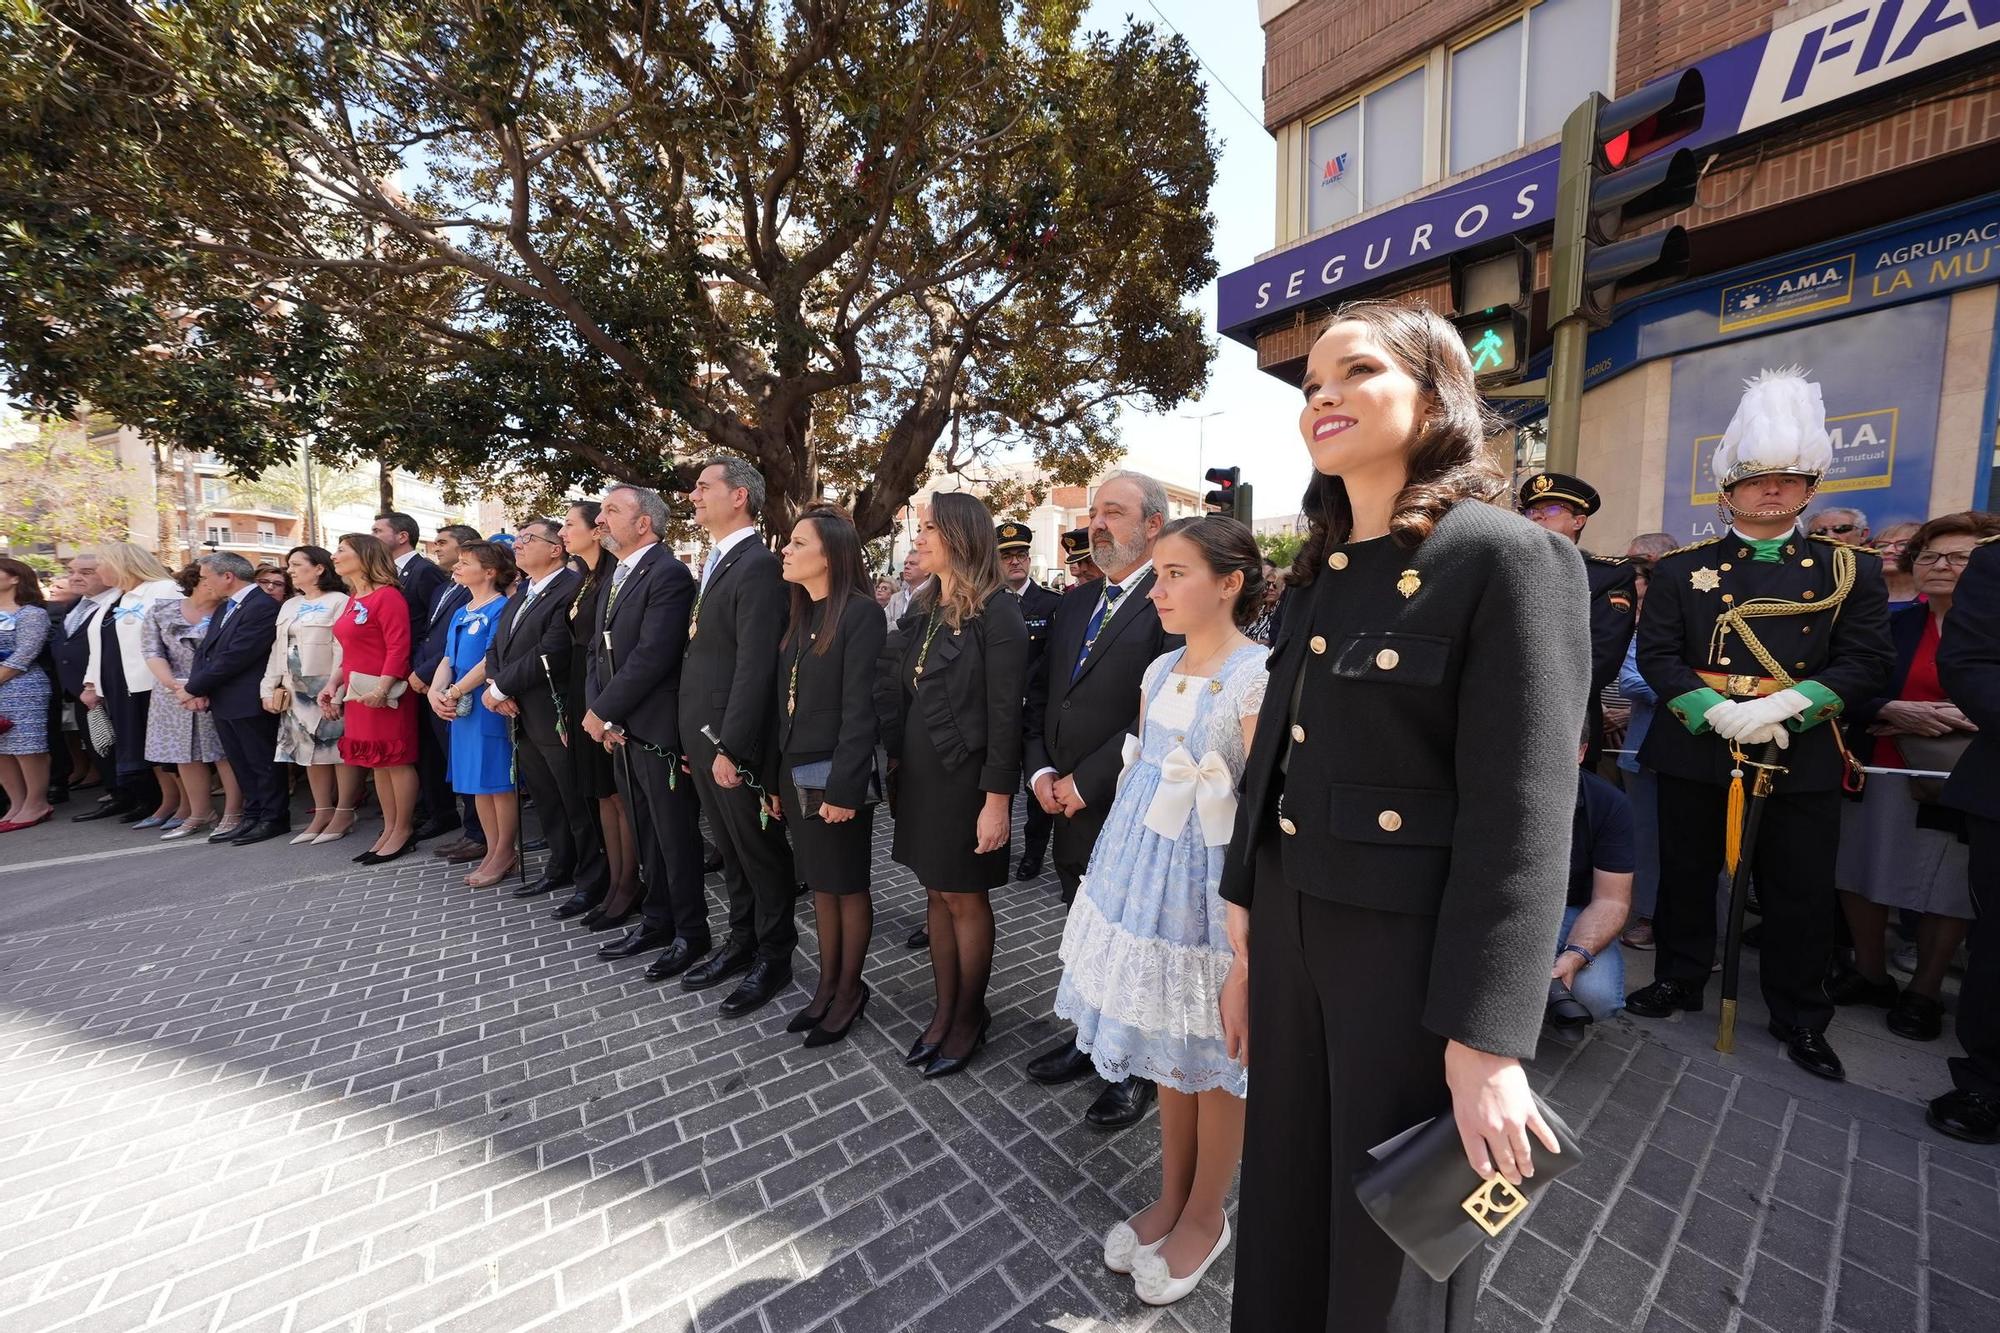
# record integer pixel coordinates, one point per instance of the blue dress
(482, 760)
(24, 700)
(1146, 948)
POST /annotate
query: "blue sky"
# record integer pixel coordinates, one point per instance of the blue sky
(1257, 425)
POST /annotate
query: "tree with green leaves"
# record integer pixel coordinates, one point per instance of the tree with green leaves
(60, 496)
(596, 241)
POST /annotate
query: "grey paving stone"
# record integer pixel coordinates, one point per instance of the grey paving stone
(1777, 1296)
(1612, 1283)
(1865, 1301)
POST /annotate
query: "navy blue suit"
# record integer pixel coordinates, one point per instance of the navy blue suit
(228, 672)
(1969, 668)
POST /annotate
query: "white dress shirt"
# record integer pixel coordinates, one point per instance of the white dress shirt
(1125, 585)
(722, 548)
(535, 587)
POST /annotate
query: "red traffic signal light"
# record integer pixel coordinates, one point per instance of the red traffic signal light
(1222, 500)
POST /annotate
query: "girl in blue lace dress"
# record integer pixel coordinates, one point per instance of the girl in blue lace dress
(1148, 964)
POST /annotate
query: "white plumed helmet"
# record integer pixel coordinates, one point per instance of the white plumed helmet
(1779, 426)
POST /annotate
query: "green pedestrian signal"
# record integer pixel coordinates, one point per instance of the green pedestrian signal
(1489, 353)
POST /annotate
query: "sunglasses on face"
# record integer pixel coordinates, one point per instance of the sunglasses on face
(1834, 529)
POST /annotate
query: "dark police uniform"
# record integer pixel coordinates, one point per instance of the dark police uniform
(1614, 594)
(1038, 608)
(1969, 667)
(1403, 847)
(1721, 622)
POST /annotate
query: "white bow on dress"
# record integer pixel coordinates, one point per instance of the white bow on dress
(1206, 787)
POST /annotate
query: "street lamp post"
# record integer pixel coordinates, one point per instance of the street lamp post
(1200, 420)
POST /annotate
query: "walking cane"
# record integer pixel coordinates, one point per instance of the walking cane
(1744, 818)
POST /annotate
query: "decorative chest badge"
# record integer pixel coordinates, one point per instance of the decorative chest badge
(1705, 579)
(1409, 583)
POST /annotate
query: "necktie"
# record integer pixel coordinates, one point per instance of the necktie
(1090, 631)
(708, 565)
(228, 610)
(1769, 551)
(617, 578)
(79, 616)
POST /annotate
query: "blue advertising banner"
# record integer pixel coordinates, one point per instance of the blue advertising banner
(1833, 53)
(1880, 374)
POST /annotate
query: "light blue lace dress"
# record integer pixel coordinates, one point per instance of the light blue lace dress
(1145, 949)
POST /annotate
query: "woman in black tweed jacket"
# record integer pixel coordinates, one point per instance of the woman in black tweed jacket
(1402, 844)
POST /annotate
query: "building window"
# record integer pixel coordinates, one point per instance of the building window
(213, 491)
(1517, 83)
(219, 535)
(266, 535)
(1366, 154)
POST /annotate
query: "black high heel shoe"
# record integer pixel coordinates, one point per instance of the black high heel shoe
(946, 1065)
(379, 858)
(821, 1035)
(921, 1052)
(805, 1020)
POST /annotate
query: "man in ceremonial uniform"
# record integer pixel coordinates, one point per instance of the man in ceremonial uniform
(1564, 504)
(1076, 554)
(1758, 638)
(1968, 662)
(1038, 606)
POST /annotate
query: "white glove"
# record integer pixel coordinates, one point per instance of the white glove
(1765, 734)
(1780, 707)
(1725, 719)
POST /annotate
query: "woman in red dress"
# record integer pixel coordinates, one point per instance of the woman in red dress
(381, 733)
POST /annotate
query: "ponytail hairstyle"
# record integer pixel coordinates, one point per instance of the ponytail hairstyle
(1448, 458)
(1226, 547)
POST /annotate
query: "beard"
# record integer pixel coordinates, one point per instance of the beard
(1108, 553)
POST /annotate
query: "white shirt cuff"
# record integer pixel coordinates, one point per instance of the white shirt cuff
(1037, 777)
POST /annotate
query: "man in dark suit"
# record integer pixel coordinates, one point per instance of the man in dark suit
(1082, 701)
(726, 719)
(429, 639)
(1968, 660)
(423, 583)
(636, 678)
(1759, 637)
(72, 657)
(1038, 608)
(226, 682)
(527, 674)
(1564, 504)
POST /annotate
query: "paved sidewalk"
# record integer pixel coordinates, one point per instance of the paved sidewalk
(382, 1101)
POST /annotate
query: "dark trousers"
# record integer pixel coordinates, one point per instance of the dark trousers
(434, 776)
(1978, 1019)
(1074, 836)
(1341, 1062)
(1036, 828)
(568, 817)
(756, 863)
(1793, 866)
(251, 743)
(667, 830)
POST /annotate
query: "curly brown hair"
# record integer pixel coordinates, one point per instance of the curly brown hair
(1448, 458)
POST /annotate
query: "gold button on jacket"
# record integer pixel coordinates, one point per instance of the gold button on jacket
(1338, 560)
(1287, 825)
(1389, 820)
(1387, 659)
(1317, 643)
(1298, 732)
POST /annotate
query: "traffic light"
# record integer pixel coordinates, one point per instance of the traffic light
(1618, 173)
(1492, 295)
(1230, 496)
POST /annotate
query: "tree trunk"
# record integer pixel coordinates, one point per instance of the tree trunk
(387, 485)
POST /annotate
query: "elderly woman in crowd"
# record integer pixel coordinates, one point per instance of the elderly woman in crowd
(1898, 847)
(116, 679)
(305, 657)
(178, 736)
(1890, 544)
(275, 581)
(24, 697)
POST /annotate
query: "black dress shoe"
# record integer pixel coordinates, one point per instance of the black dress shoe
(920, 938)
(764, 980)
(678, 958)
(431, 828)
(711, 860)
(718, 967)
(600, 920)
(947, 1065)
(640, 939)
(921, 1052)
(1061, 1065)
(546, 884)
(131, 816)
(262, 831)
(1122, 1103)
(1662, 998)
(535, 845)
(1030, 868)
(574, 905)
(1809, 1050)
(104, 810)
(822, 1035)
(1970, 1116)
(1918, 1017)
(1850, 987)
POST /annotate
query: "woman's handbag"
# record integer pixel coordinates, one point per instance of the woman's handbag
(811, 780)
(1938, 754)
(360, 686)
(1426, 1196)
(102, 734)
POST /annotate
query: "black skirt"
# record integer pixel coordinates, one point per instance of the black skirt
(937, 817)
(590, 763)
(832, 858)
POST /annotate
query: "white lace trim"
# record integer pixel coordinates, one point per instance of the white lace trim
(1151, 984)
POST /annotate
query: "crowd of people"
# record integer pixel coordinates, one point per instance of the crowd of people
(1421, 781)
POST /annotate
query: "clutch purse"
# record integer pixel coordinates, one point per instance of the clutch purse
(811, 780)
(360, 685)
(1421, 1191)
(102, 734)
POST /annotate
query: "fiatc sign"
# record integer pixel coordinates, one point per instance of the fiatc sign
(1833, 53)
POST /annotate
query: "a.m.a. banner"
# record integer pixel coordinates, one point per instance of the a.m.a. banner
(1880, 373)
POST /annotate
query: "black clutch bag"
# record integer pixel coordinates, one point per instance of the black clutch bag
(810, 780)
(1421, 1191)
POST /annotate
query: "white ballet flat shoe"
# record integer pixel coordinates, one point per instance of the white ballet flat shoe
(1155, 1282)
(1122, 1247)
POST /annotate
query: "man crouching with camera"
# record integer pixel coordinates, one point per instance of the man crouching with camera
(1588, 979)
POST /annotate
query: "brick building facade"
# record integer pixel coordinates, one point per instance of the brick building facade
(1852, 146)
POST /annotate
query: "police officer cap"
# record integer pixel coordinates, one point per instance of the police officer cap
(1076, 545)
(1546, 486)
(1012, 536)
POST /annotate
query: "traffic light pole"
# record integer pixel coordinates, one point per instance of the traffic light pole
(1571, 340)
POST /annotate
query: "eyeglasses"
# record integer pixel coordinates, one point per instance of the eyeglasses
(1835, 529)
(1949, 559)
(520, 537)
(1548, 511)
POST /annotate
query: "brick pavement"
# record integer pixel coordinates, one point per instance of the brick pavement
(386, 1102)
